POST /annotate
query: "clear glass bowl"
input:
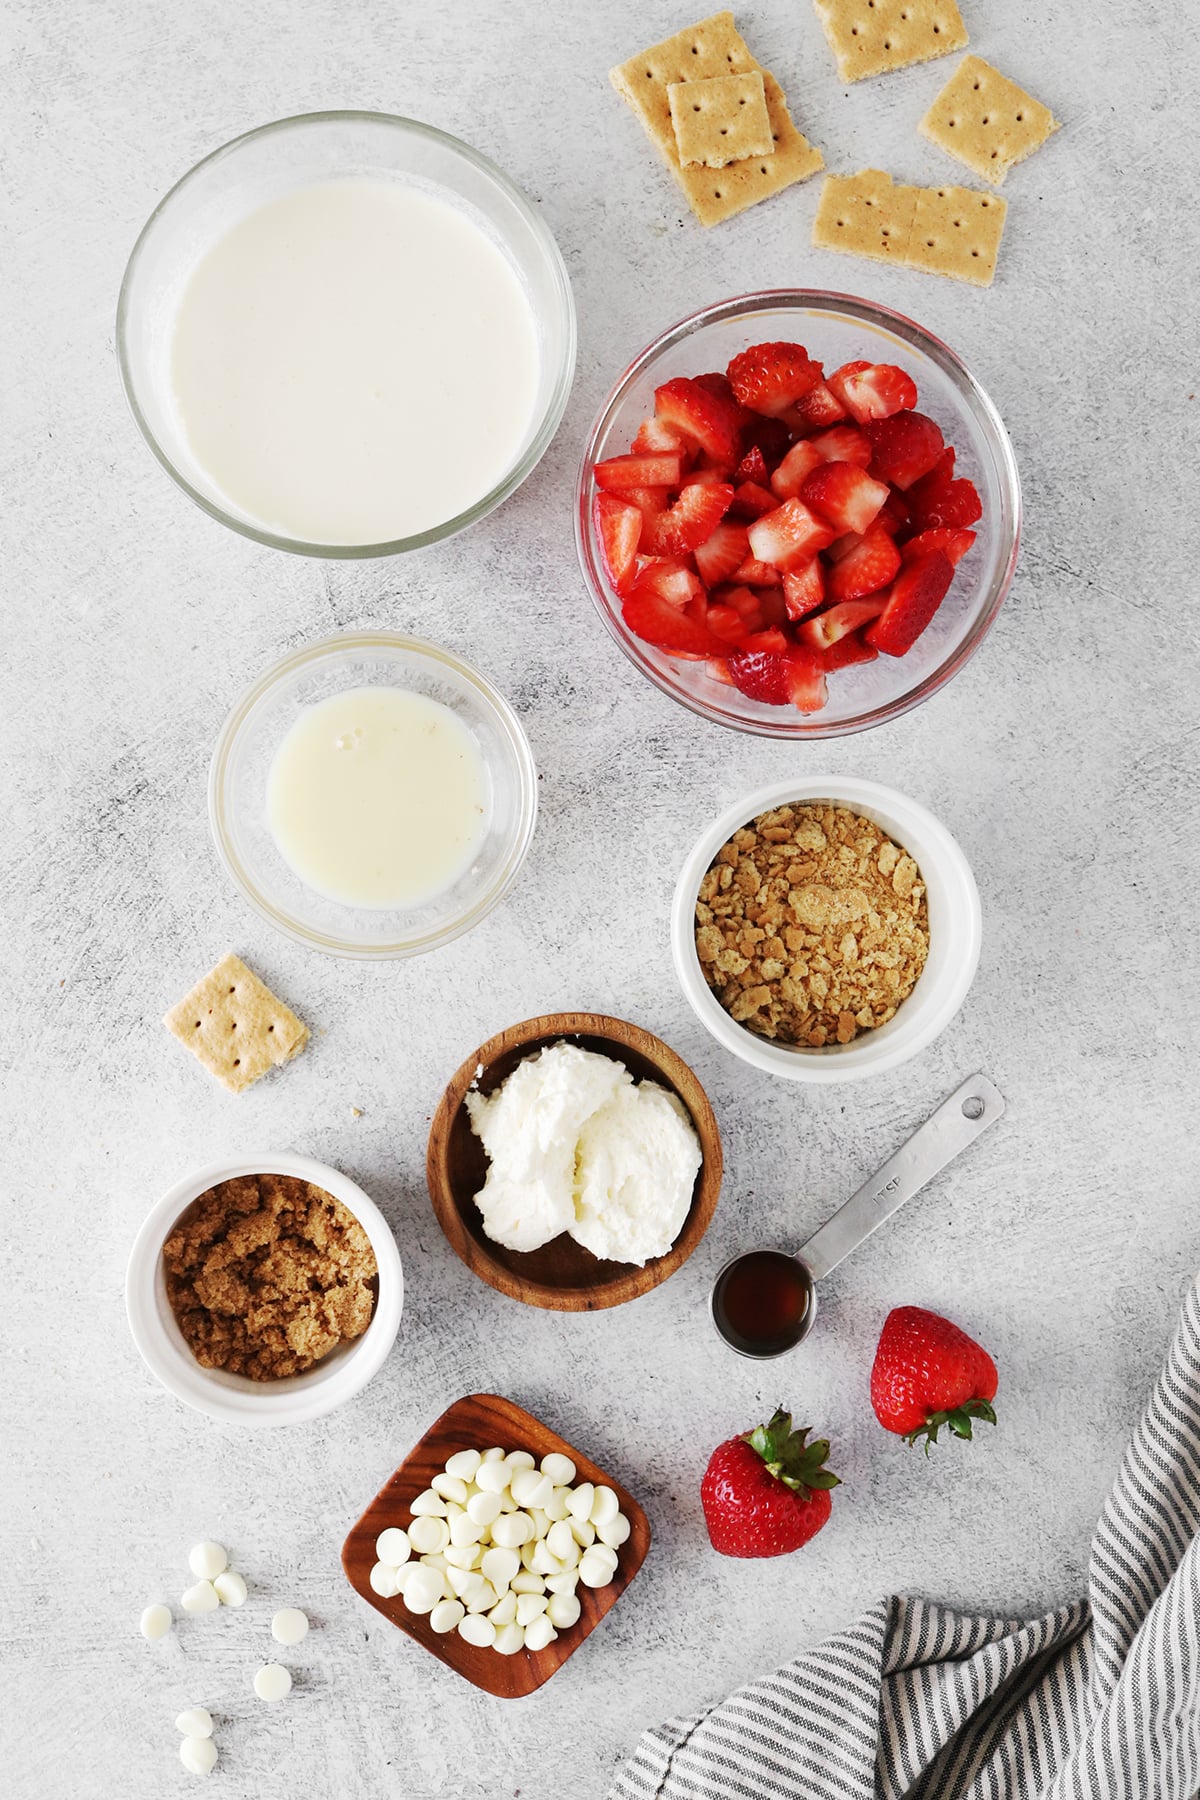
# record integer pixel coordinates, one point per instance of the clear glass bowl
(293, 153)
(237, 792)
(835, 328)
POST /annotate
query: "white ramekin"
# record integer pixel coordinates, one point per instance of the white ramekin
(235, 1399)
(955, 934)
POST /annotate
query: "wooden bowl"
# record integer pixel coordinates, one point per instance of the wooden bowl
(474, 1423)
(562, 1275)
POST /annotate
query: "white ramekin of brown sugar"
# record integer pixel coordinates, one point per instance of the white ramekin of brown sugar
(954, 935)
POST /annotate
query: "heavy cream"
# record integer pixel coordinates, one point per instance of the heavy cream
(354, 362)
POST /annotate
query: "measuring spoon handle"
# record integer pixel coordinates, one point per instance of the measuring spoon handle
(957, 1122)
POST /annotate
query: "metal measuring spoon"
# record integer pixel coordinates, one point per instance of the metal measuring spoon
(764, 1302)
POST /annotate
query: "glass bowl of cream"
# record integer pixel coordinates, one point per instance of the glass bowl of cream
(346, 334)
(372, 796)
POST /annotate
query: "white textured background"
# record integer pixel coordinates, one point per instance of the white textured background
(1064, 758)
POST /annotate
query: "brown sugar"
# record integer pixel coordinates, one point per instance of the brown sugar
(266, 1274)
(812, 925)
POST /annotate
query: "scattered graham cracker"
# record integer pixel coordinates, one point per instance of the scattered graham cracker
(721, 120)
(233, 1024)
(711, 48)
(953, 231)
(871, 37)
(986, 120)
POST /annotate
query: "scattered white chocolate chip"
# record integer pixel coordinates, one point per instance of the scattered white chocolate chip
(155, 1621)
(272, 1682)
(383, 1580)
(198, 1755)
(289, 1625)
(207, 1560)
(196, 1722)
(201, 1598)
(392, 1546)
(231, 1588)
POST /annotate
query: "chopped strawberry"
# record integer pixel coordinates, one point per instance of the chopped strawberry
(650, 502)
(721, 553)
(718, 669)
(753, 467)
(954, 544)
(903, 448)
(804, 589)
(895, 515)
(760, 675)
(751, 501)
(843, 443)
(838, 622)
(845, 495)
(842, 546)
(619, 528)
(754, 573)
(705, 475)
(816, 410)
(666, 626)
(619, 473)
(746, 605)
(768, 378)
(795, 469)
(850, 649)
(708, 419)
(726, 623)
(692, 520)
(770, 639)
(669, 579)
(939, 500)
(718, 384)
(770, 436)
(915, 596)
(873, 390)
(790, 535)
(807, 690)
(870, 565)
(655, 436)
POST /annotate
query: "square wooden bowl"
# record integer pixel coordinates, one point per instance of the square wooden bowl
(476, 1422)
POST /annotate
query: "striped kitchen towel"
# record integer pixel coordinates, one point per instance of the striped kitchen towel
(1099, 1700)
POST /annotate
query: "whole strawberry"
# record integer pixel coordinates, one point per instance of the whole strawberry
(768, 1492)
(927, 1373)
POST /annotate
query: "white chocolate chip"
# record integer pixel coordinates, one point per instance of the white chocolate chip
(392, 1546)
(492, 1477)
(196, 1722)
(519, 1459)
(475, 1629)
(155, 1622)
(484, 1508)
(207, 1560)
(540, 1633)
(464, 1464)
(505, 1610)
(231, 1588)
(563, 1610)
(614, 1532)
(526, 1582)
(510, 1639)
(559, 1468)
(383, 1580)
(450, 1488)
(424, 1588)
(530, 1607)
(447, 1615)
(429, 1536)
(201, 1598)
(428, 1506)
(605, 1506)
(289, 1625)
(198, 1755)
(273, 1682)
(579, 1504)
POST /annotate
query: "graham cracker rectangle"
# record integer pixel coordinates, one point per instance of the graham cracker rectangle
(865, 215)
(721, 120)
(710, 48)
(957, 232)
(233, 1024)
(986, 121)
(871, 37)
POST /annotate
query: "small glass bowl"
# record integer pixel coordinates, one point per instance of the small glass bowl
(237, 791)
(274, 160)
(835, 328)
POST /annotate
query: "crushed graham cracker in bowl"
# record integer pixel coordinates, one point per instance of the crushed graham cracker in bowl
(812, 925)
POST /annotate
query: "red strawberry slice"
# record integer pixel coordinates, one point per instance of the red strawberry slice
(705, 418)
(939, 500)
(868, 566)
(903, 448)
(768, 378)
(847, 651)
(669, 578)
(751, 501)
(761, 675)
(655, 436)
(666, 608)
(619, 529)
(753, 467)
(770, 638)
(845, 495)
(721, 553)
(692, 520)
(816, 410)
(804, 589)
(838, 622)
(914, 597)
(795, 469)
(895, 515)
(790, 535)
(955, 544)
(807, 688)
(726, 622)
(844, 443)
(754, 573)
(747, 606)
(619, 473)
(873, 390)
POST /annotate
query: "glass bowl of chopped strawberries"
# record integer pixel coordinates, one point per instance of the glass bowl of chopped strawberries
(798, 513)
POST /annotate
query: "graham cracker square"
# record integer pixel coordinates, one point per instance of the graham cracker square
(865, 215)
(870, 37)
(721, 120)
(233, 1024)
(706, 50)
(986, 121)
(957, 232)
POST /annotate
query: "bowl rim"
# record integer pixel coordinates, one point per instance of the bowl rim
(548, 425)
(798, 726)
(684, 1082)
(865, 1057)
(319, 1390)
(492, 699)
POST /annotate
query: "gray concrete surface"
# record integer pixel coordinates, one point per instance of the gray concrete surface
(1064, 758)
